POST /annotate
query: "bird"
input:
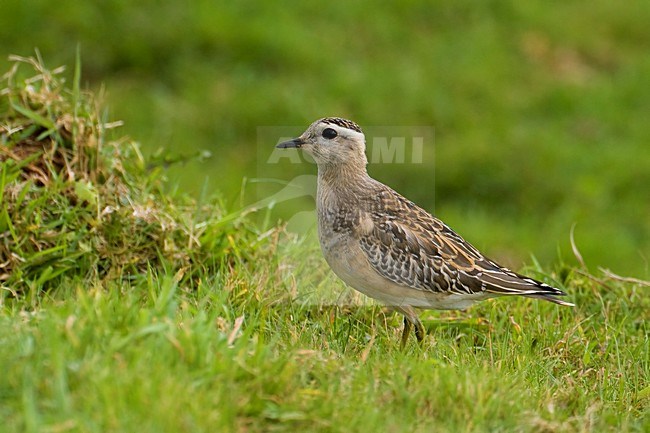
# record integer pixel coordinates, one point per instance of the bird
(390, 249)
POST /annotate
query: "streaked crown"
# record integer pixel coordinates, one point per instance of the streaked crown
(343, 123)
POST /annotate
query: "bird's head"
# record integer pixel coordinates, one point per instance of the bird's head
(332, 141)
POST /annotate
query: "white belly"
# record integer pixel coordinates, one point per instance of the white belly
(344, 255)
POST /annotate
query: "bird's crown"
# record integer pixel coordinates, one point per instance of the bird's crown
(343, 123)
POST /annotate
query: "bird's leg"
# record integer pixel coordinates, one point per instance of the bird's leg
(420, 332)
(406, 332)
(411, 320)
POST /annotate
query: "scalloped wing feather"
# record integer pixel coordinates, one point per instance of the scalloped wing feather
(410, 247)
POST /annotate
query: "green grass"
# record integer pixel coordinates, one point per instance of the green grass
(188, 317)
(157, 356)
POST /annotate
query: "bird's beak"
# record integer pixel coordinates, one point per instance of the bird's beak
(295, 143)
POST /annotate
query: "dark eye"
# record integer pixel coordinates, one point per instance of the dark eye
(329, 133)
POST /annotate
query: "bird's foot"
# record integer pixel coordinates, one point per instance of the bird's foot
(420, 332)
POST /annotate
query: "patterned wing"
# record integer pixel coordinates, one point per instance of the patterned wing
(412, 248)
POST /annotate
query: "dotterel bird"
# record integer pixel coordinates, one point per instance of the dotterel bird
(387, 247)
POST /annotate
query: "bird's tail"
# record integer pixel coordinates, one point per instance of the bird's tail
(504, 282)
(552, 298)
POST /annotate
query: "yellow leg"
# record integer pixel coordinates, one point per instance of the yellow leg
(406, 332)
(420, 332)
(410, 320)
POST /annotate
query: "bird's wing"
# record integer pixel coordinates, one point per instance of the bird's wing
(410, 247)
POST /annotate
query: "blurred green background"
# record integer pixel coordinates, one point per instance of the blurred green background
(541, 109)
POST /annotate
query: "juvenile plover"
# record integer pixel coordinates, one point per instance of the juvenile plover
(387, 247)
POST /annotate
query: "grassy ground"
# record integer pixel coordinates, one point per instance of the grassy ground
(540, 110)
(127, 308)
(231, 355)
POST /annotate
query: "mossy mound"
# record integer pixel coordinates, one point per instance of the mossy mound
(76, 202)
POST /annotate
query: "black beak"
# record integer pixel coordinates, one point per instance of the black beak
(295, 143)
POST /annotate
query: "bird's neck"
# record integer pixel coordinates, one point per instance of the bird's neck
(345, 175)
(340, 186)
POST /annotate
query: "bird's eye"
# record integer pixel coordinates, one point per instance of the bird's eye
(329, 133)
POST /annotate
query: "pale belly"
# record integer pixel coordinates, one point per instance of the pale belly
(344, 255)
